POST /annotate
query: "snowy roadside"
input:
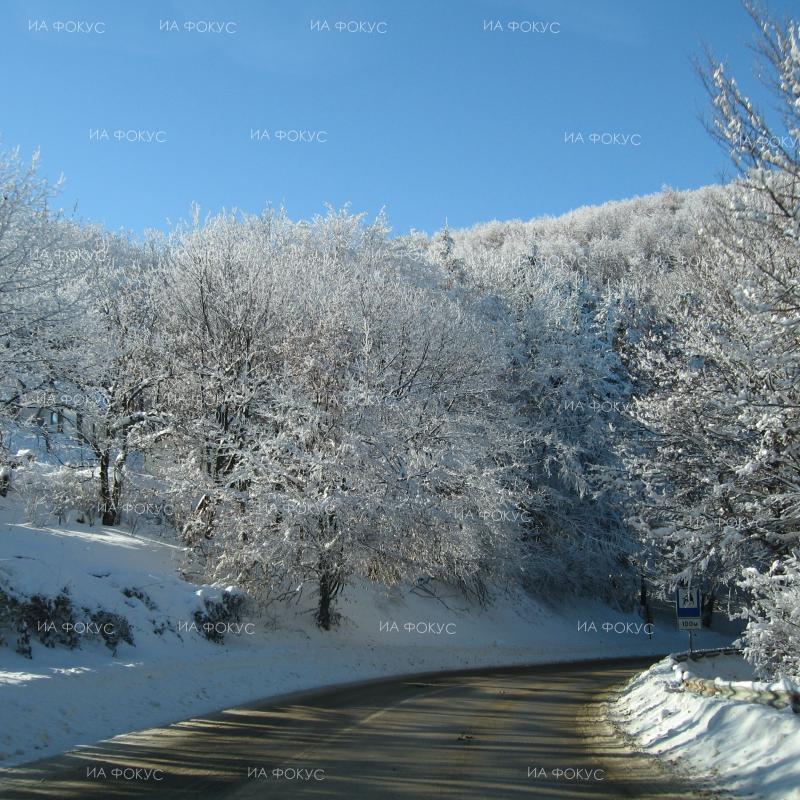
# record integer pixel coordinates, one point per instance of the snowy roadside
(54, 707)
(744, 749)
(64, 697)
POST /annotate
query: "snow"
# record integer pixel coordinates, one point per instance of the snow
(746, 749)
(62, 698)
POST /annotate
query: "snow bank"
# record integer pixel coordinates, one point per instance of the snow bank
(746, 749)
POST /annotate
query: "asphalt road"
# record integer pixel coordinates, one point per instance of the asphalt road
(480, 734)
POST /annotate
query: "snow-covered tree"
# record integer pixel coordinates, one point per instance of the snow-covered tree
(31, 304)
(722, 371)
(442, 251)
(772, 638)
(340, 413)
(567, 391)
(98, 367)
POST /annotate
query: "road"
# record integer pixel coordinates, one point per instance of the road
(480, 734)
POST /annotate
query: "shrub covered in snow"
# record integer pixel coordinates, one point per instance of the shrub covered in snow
(57, 494)
(113, 628)
(218, 608)
(50, 620)
(772, 637)
(56, 622)
(11, 623)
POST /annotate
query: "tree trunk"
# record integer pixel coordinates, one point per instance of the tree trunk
(326, 594)
(707, 611)
(116, 487)
(107, 507)
(330, 573)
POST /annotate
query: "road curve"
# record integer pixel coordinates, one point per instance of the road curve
(488, 734)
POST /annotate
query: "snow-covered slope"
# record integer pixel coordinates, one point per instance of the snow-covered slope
(62, 697)
(749, 750)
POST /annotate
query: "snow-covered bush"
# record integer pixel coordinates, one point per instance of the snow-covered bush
(113, 628)
(218, 607)
(50, 620)
(12, 624)
(64, 494)
(772, 637)
(57, 622)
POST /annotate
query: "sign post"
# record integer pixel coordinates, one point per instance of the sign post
(687, 607)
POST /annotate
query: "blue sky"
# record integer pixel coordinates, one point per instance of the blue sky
(431, 115)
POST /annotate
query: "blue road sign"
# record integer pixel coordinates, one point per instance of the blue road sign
(687, 606)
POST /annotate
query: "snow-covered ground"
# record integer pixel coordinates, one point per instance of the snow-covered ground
(61, 697)
(746, 749)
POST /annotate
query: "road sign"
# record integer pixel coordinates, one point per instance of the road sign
(687, 606)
